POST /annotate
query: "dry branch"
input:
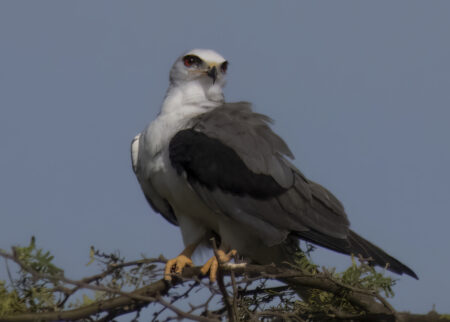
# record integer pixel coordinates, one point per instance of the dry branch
(375, 307)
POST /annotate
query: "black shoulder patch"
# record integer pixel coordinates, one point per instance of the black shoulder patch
(215, 165)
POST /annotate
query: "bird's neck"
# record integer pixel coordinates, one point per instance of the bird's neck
(182, 103)
(191, 97)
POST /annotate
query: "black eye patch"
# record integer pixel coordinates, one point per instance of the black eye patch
(192, 60)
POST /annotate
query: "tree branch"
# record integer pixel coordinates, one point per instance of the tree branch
(376, 308)
(148, 294)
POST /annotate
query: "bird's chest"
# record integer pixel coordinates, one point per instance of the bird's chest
(194, 217)
(169, 184)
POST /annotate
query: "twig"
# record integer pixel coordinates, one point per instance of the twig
(9, 273)
(366, 300)
(183, 314)
(174, 299)
(220, 282)
(235, 294)
(280, 315)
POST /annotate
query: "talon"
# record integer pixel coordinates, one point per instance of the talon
(213, 270)
(205, 268)
(176, 265)
(212, 265)
(224, 258)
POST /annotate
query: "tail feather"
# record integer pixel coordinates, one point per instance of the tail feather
(356, 245)
(361, 246)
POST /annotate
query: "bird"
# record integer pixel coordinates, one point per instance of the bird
(217, 170)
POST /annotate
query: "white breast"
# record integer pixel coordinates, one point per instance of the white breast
(180, 106)
(194, 218)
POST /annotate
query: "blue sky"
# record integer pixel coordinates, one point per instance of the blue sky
(359, 90)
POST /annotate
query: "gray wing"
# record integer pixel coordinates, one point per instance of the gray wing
(239, 167)
(158, 204)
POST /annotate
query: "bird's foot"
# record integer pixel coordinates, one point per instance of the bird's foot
(176, 265)
(212, 264)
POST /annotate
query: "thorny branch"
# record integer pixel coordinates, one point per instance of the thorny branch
(247, 301)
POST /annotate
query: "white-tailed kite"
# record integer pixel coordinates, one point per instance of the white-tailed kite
(216, 169)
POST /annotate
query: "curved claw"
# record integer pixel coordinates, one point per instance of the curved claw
(176, 265)
(212, 265)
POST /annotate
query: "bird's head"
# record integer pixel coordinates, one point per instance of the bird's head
(200, 65)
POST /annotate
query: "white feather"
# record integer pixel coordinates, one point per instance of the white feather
(185, 99)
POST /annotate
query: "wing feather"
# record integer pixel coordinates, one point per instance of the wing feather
(239, 167)
(158, 204)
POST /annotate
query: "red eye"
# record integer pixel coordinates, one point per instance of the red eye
(190, 60)
(224, 67)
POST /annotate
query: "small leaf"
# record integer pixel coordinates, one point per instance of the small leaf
(91, 256)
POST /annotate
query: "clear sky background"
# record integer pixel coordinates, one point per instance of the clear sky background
(359, 90)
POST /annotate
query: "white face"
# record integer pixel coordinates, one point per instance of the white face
(204, 65)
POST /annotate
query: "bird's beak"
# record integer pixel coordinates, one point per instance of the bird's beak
(212, 72)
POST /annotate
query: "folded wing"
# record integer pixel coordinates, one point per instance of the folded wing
(239, 168)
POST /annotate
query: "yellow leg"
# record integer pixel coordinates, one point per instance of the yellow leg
(176, 265)
(212, 264)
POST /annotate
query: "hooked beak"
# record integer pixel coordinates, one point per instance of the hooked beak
(212, 72)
